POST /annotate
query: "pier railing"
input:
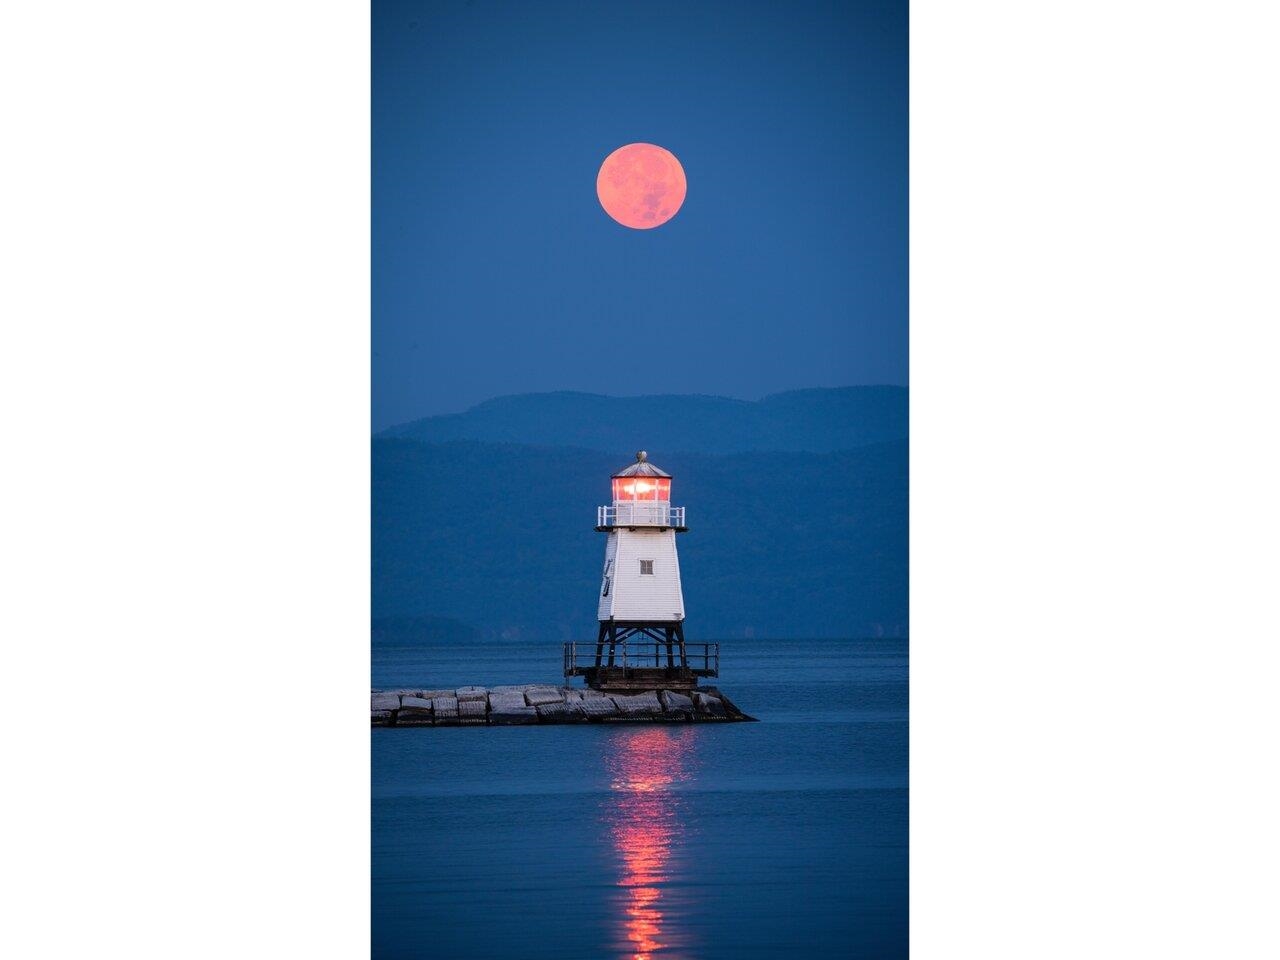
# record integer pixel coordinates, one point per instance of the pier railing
(640, 514)
(700, 659)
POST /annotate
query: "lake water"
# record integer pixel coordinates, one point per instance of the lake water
(649, 842)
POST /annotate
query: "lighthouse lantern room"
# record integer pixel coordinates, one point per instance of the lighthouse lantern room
(640, 644)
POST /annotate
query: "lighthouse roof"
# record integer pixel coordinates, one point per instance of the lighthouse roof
(641, 468)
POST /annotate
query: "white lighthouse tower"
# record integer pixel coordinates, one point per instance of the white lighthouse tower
(641, 604)
(641, 582)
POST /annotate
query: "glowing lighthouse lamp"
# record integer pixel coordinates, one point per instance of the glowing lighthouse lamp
(641, 604)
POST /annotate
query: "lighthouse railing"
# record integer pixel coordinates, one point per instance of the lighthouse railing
(700, 659)
(640, 514)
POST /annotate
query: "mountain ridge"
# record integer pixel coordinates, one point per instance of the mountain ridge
(821, 419)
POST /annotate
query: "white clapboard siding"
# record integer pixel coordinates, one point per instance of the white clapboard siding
(607, 579)
(633, 595)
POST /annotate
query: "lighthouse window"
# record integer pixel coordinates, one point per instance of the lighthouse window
(646, 566)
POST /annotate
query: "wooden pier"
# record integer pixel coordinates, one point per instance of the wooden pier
(541, 703)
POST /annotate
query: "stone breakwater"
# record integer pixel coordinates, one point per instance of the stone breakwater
(540, 703)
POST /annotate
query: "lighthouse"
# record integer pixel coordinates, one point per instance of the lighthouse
(640, 644)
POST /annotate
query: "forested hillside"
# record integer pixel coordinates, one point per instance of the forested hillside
(500, 537)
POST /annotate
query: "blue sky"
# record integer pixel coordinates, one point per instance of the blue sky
(495, 270)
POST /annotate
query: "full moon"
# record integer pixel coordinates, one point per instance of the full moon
(641, 185)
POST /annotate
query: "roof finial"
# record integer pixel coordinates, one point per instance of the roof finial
(641, 456)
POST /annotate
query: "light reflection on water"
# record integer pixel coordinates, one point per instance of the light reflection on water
(646, 765)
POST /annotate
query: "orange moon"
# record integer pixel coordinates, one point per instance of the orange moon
(641, 185)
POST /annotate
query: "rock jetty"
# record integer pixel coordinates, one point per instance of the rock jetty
(540, 703)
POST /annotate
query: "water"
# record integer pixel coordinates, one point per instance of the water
(743, 841)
